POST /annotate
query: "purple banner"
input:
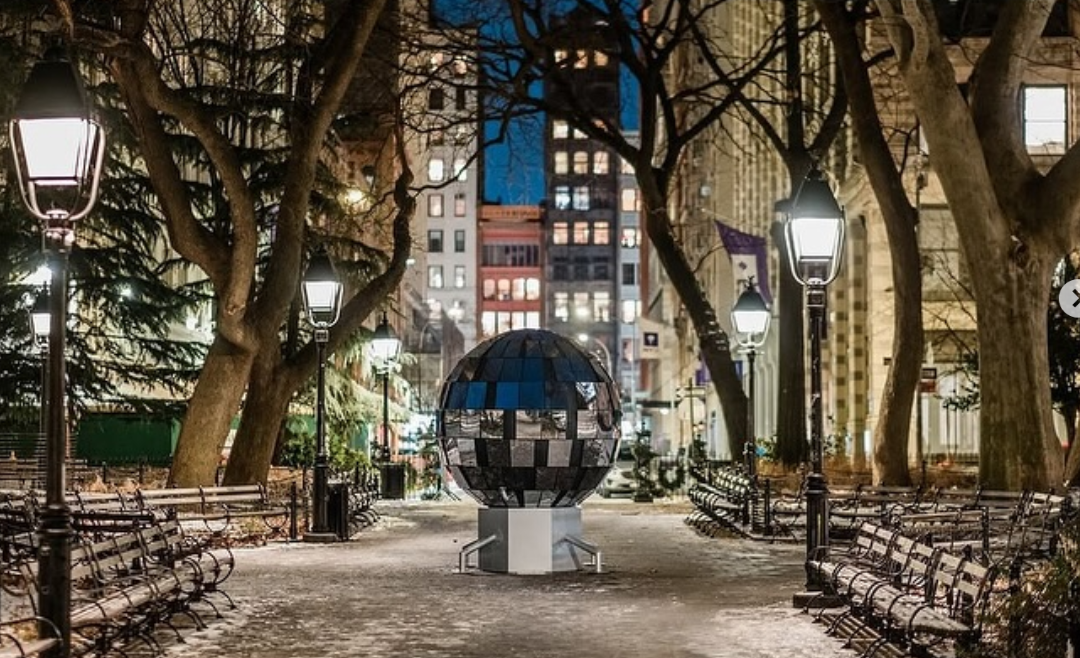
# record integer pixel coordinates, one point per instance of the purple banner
(749, 258)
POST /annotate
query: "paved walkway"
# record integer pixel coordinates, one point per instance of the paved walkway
(394, 592)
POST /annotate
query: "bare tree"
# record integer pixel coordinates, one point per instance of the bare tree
(1013, 216)
(172, 63)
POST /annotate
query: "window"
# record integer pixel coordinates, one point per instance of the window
(581, 232)
(601, 233)
(581, 198)
(435, 205)
(600, 271)
(519, 289)
(561, 55)
(581, 271)
(629, 202)
(562, 306)
(562, 197)
(582, 310)
(629, 274)
(1044, 119)
(581, 162)
(560, 272)
(504, 290)
(459, 276)
(560, 130)
(461, 171)
(600, 58)
(560, 233)
(437, 60)
(434, 276)
(625, 167)
(581, 59)
(601, 164)
(602, 306)
(434, 241)
(461, 98)
(459, 241)
(631, 308)
(461, 67)
(629, 238)
(436, 170)
(436, 98)
(459, 204)
(562, 162)
(489, 289)
(436, 138)
(532, 289)
(579, 135)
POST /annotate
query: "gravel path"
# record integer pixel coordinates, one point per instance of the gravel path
(394, 591)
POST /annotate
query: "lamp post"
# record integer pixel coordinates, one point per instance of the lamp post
(750, 317)
(385, 347)
(322, 300)
(58, 152)
(40, 324)
(815, 241)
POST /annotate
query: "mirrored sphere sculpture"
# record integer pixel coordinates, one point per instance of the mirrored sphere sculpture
(529, 419)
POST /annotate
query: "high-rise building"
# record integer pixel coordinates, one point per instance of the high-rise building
(511, 268)
(582, 248)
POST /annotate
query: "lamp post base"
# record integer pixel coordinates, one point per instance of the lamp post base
(321, 537)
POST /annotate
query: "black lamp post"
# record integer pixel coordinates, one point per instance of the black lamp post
(750, 317)
(58, 152)
(40, 324)
(385, 347)
(322, 300)
(815, 242)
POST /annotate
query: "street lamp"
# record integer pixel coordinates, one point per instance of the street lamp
(322, 301)
(40, 323)
(815, 241)
(750, 317)
(58, 151)
(385, 347)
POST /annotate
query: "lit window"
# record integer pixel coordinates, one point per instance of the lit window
(629, 200)
(560, 130)
(434, 241)
(601, 233)
(518, 292)
(459, 204)
(581, 198)
(489, 288)
(562, 197)
(560, 233)
(487, 323)
(460, 170)
(532, 320)
(625, 167)
(582, 59)
(562, 162)
(461, 67)
(504, 290)
(600, 58)
(582, 310)
(629, 238)
(561, 55)
(437, 60)
(581, 162)
(459, 276)
(600, 163)
(532, 288)
(435, 205)
(562, 306)
(581, 233)
(459, 241)
(436, 170)
(579, 134)
(602, 306)
(434, 276)
(1044, 119)
(630, 310)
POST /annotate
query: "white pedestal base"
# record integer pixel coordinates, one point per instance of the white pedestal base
(534, 540)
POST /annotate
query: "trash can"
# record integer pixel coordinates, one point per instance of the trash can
(392, 481)
(337, 512)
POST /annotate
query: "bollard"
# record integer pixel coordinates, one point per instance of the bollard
(293, 512)
(104, 472)
(767, 502)
(142, 472)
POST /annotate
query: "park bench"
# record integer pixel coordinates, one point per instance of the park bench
(910, 593)
(216, 507)
(13, 645)
(726, 502)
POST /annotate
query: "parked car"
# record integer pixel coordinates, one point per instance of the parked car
(620, 478)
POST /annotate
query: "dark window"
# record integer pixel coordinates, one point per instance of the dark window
(459, 241)
(629, 274)
(461, 97)
(436, 99)
(434, 241)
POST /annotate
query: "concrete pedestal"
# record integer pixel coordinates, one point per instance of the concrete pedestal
(530, 540)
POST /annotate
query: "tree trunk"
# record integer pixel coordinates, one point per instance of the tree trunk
(210, 412)
(1019, 448)
(266, 405)
(791, 446)
(1072, 453)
